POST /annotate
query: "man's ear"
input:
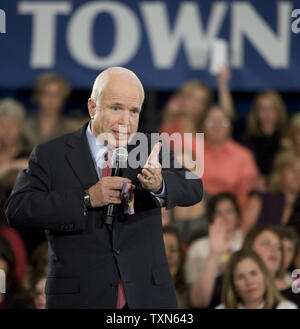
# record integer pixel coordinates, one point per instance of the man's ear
(91, 107)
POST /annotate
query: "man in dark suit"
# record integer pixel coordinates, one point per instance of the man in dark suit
(93, 264)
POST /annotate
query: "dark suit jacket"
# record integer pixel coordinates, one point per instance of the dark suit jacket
(86, 257)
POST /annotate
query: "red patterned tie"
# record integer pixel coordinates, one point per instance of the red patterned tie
(106, 171)
(121, 301)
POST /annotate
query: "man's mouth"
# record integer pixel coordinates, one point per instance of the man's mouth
(120, 134)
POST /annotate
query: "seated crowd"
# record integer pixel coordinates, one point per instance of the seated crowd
(237, 248)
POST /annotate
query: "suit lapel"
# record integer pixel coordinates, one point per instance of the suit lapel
(80, 158)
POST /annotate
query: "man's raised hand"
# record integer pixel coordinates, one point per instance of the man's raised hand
(151, 177)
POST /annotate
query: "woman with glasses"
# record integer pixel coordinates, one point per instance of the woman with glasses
(228, 166)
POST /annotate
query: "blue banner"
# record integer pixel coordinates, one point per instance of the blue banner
(164, 42)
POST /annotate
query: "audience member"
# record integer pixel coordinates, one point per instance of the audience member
(247, 284)
(50, 93)
(275, 206)
(14, 149)
(15, 241)
(207, 257)
(195, 97)
(20, 239)
(267, 123)
(14, 297)
(228, 166)
(267, 243)
(172, 112)
(174, 252)
(290, 242)
(295, 215)
(292, 139)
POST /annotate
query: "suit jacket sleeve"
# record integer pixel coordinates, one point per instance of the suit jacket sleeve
(33, 203)
(180, 190)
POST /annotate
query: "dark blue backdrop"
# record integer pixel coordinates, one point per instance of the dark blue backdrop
(16, 46)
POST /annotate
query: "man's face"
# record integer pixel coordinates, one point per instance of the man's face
(117, 117)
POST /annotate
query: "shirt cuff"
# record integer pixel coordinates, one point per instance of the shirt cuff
(162, 194)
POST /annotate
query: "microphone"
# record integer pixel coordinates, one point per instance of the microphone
(119, 160)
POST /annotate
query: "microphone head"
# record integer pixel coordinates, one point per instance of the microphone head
(120, 156)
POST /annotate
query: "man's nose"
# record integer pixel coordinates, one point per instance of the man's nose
(124, 118)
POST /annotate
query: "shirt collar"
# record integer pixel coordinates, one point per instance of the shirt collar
(97, 148)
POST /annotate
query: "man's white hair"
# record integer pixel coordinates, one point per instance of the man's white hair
(103, 78)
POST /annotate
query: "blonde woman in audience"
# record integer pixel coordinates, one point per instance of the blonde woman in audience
(50, 93)
(207, 257)
(267, 243)
(292, 140)
(266, 125)
(193, 97)
(275, 206)
(248, 285)
(184, 111)
(14, 149)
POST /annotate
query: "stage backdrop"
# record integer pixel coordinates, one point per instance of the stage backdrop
(164, 42)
